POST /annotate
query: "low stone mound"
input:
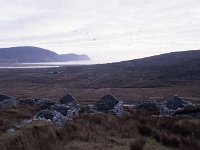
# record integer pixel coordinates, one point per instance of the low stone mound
(150, 106)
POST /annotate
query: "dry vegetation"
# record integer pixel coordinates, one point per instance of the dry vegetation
(132, 131)
(23, 83)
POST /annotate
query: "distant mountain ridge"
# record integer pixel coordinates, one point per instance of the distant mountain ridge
(30, 54)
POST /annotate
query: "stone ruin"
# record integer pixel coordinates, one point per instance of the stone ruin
(64, 110)
(107, 104)
(172, 107)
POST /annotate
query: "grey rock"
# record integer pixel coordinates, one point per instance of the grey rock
(69, 100)
(8, 103)
(106, 103)
(44, 103)
(27, 101)
(109, 104)
(45, 114)
(63, 109)
(59, 120)
(89, 109)
(4, 97)
(55, 117)
(175, 103)
(188, 111)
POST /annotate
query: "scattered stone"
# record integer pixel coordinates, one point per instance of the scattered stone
(8, 103)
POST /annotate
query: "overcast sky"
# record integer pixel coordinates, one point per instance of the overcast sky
(103, 29)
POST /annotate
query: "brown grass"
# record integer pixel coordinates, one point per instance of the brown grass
(105, 132)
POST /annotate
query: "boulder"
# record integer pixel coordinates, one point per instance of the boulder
(8, 103)
(69, 100)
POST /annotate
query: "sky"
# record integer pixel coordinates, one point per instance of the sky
(106, 30)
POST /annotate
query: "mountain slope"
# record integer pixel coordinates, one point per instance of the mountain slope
(35, 54)
(178, 68)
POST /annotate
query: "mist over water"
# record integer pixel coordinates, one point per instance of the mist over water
(51, 64)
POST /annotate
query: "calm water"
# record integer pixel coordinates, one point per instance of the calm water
(48, 64)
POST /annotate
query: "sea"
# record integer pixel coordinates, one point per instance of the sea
(48, 64)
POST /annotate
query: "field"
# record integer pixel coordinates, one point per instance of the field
(89, 86)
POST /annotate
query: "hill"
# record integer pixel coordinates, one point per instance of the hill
(177, 68)
(35, 54)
